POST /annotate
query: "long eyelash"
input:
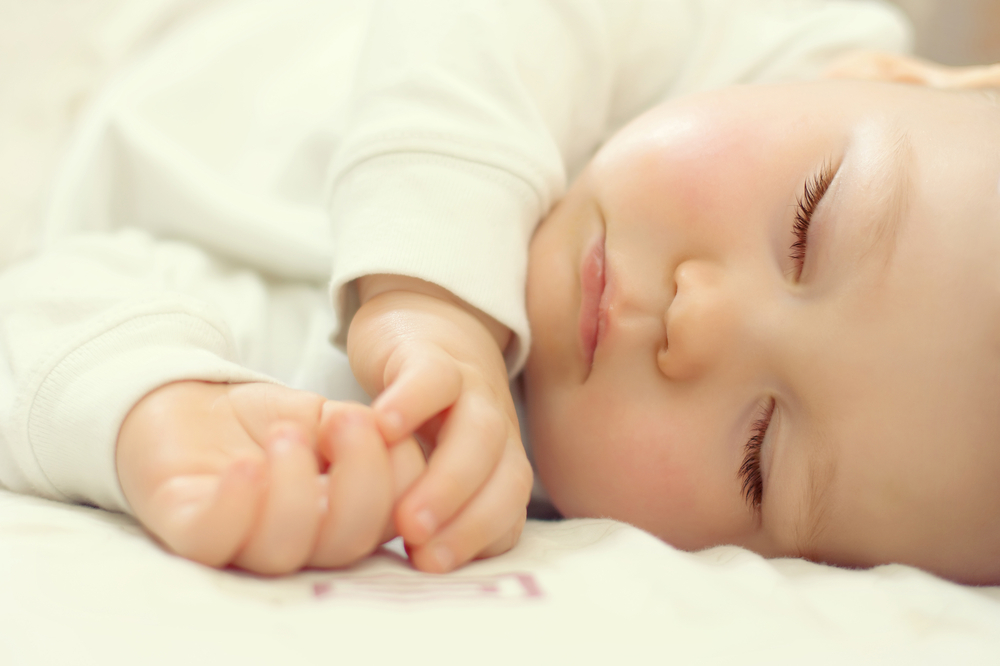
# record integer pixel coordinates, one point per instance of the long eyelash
(753, 480)
(812, 194)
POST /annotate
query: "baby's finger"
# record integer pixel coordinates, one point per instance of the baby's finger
(206, 517)
(470, 445)
(359, 487)
(505, 542)
(407, 463)
(283, 538)
(417, 388)
(488, 525)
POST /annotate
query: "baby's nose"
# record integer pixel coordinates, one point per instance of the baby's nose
(701, 322)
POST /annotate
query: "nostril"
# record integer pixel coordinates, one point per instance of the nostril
(671, 298)
(663, 361)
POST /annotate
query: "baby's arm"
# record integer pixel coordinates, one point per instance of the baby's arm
(228, 469)
(437, 367)
(237, 474)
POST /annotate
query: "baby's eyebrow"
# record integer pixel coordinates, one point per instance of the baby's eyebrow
(890, 209)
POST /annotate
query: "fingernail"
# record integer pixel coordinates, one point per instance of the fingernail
(393, 420)
(426, 520)
(444, 557)
(245, 469)
(281, 445)
(351, 424)
(284, 438)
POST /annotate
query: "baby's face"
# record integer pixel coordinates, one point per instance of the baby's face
(735, 375)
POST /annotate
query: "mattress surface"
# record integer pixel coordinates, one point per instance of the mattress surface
(84, 586)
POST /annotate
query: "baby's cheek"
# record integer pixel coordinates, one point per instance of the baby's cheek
(608, 462)
(644, 468)
(655, 477)
(696, 174)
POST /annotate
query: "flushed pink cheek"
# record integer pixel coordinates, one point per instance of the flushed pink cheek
(626, 471)
(696, 171)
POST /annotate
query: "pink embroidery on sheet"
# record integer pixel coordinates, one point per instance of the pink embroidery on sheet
(398, 588)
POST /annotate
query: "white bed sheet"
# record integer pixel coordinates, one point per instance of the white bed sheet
(83, 586)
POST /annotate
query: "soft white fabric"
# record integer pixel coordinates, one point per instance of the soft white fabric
(82, 586)
(53, 57)
(266, 140)
(100, 319)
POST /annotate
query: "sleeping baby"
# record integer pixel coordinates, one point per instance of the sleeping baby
(761, 315)
(783, 325)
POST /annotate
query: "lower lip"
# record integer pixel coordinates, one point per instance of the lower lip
(592, 283)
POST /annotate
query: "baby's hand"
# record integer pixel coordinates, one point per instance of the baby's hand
(437, 369)
(236, 474)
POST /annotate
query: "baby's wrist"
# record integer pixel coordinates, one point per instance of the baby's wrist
(373, 286)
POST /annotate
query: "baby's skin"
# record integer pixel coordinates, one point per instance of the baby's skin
(271, 479)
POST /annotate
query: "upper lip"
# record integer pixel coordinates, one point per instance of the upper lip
(592, 306)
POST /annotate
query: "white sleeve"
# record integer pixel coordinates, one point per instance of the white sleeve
(92, 325)
(468, 117)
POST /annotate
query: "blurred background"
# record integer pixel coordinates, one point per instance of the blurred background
(956, 32)
(55, 53)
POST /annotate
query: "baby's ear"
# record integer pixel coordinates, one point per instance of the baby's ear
(879, 66)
